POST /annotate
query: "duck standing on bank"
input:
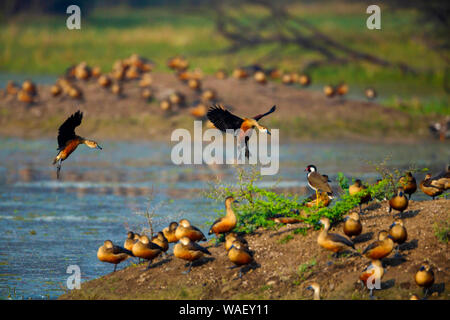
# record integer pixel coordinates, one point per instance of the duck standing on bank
(189, 250)
(333, 241)
(408, 182)
(228, 222)
(110, 253)
(399, 201)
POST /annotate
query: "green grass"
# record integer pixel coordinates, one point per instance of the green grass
(442, 231)
(43, 45)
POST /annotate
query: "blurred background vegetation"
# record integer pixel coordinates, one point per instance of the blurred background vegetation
(408, 59)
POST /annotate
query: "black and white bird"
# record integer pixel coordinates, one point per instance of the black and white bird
(318, 182)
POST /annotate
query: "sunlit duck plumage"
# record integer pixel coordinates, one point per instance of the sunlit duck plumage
(304, 80)
(209, 95)
(286, 78)
(29, 86)
(240, 255)
(370, 93)
(314, 286)
(130, 241)
(161, 241)
(329, 91)
(146, 249)
(324, 200)
(199, 110)
(356, 188)
(195, 84)
(221, 74)
(399, 202)
(414, 297)
(442, 180)
(240, 73)
(189, 250)
(317, 181)
(260, 77)
(408, 182)
(373, 272)
(24, 96)
(146, 80)
(398, 233)
(12, 88)
(231, 237)
(342, 89)
(68, 141)
(112, 254)
(223, 120)
(177, 98)
(104, 80)
(228, 222)
(55, 90)
(380, 248)
(185, 229)
(352, 225)
(332, 241)
(430, 188)
(425, 277)
(146, 93)
(169, 232)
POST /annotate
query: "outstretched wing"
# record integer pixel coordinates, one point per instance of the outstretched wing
(259, 116)
(223, 119)
(67, 129)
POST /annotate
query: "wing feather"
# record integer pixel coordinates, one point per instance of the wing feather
(66, 131)
(223, 119)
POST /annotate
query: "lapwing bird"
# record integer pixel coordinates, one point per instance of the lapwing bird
(429, 187)
(68, 141)
(113, 254)
(425, 277)
(223, 120)
(408, 182)
(374, 272)
(316, 288)
(318, 182)
(228, 222)
(189, 250)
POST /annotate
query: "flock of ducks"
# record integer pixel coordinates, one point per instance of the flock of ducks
(389, 239)
(183, 234)
(186, 236)
(138, 68)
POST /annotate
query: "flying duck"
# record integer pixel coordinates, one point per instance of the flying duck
(68, 141)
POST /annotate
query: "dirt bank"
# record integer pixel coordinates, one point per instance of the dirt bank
(289, 262)
(301, 114)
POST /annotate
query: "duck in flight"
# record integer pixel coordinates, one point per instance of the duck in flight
(68, 141)
(223, 120)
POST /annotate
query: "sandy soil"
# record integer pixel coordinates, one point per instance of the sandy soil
(301, 113)
(289, 262)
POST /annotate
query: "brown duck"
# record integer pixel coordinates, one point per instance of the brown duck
(408, 182)
(332, 241)
(425, 277)
(380, 248)
(68, 141)
(189, 250)
(399, 201)
(240, 255)
(374, 272)
(185, 229)
(169, 232)
(112, 254)
(231, 237)
(228, 222)
(430, 188)
(146, 250)
(359, 187)
(398, 233)
(352, 225)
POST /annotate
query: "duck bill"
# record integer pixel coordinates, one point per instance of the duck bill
(98, 147)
